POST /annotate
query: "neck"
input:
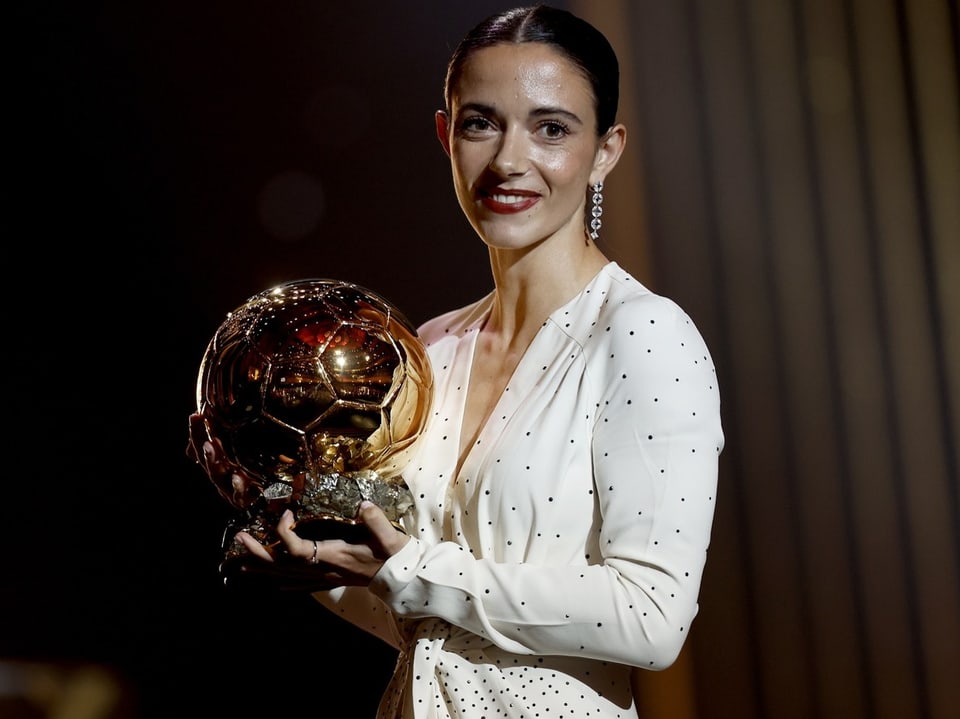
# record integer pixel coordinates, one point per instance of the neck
(530, 284)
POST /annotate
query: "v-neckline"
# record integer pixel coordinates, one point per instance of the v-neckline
(464, 451)
(468, 437)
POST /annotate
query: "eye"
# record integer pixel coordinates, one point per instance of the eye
(553, 130)
(475, 124)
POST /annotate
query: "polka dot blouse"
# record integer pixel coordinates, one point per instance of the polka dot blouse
(571, 544)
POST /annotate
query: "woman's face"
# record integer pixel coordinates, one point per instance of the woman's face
(523, 145)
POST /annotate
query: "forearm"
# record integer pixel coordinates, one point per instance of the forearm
(619, 611)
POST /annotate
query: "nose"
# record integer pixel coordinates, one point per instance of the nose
(511, 155)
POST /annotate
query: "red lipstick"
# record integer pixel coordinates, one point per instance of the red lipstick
(508, 203)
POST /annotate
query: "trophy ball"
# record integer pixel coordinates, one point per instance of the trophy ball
(317, 390)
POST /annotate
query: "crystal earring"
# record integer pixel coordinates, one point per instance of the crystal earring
(596, 211)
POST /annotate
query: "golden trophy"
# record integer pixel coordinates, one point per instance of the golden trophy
(317, 390)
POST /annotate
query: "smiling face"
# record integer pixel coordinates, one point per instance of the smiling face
(523, 145)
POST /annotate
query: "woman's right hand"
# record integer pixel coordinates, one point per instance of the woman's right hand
(243, 569)
(237, 487)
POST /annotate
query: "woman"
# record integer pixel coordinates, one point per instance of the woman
(565, 483)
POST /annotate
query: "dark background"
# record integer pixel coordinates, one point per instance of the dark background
(170, 160)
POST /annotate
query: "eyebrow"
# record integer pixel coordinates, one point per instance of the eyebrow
(538, 112)
(544, 111)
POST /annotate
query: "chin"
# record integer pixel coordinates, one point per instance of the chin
(512, 238)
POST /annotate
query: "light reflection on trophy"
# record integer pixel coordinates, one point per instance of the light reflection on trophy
(318, 390)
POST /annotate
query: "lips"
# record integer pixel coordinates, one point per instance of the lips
(508, 202)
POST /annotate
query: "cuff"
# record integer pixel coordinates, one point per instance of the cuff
(398, 571)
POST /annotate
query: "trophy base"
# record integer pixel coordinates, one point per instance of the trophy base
(326, 509)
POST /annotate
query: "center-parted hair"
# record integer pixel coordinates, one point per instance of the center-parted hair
(575, 38)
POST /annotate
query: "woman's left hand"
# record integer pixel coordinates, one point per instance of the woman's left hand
(308, 564)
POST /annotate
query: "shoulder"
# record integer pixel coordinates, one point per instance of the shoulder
(627, 308)
(645, 345)
(641, 329)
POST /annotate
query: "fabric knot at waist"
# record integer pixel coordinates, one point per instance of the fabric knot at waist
(439, 633)
(427, 646)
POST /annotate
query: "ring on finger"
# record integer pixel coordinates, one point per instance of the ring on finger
(316, 547)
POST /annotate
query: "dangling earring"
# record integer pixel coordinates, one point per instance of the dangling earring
(596, 211)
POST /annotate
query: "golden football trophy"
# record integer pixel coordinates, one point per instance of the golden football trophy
(317, 390)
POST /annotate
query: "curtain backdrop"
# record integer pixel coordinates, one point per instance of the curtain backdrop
(795, 167)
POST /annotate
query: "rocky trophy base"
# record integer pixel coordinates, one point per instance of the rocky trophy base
(326, 508)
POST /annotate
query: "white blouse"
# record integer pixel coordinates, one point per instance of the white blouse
(571, 545)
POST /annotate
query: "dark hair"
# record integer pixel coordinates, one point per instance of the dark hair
(577, 39)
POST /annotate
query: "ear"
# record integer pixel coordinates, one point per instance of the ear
(443, 130)
(608, 152)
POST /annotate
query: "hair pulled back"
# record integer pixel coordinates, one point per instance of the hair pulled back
(575, 38)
